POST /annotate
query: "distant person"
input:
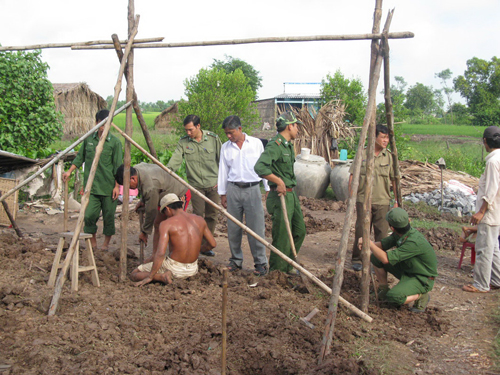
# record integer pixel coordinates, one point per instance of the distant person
(276, 165)
(153, 184)
(487, 218)
(383, 177)
(182, 233)
(239, 189)
(201, 151)
(104, 191)
(413, 262)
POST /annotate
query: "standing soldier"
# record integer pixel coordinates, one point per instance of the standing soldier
(276, 165)
(201, 151)
(104, 191)
(383, 178)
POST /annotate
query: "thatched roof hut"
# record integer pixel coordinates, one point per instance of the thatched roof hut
(167, 116)
(79, 105)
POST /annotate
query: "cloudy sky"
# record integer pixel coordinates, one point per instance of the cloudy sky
(447, 34)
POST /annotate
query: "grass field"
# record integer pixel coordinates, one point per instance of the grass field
(458, 130)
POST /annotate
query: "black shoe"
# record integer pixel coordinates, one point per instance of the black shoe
(208, 253)
(260, 270)
(357, 266)
(233, 267)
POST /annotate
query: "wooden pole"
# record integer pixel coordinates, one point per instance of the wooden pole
(66, 212)
(287, 224)
(59, 156)
(85, 199)
(225, 272)
(67, 45)
(317, 281)
(313, 38)
(11, 218)
(129, 129)
(389, 113)
(135, 103)
(339, 269)
(370, 164)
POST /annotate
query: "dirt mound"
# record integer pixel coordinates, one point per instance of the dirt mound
(322, 204)
(442, 238)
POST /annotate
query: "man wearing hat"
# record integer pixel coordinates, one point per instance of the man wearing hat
(487, 218)
(276, 165)
(182, 233)
(413, 262)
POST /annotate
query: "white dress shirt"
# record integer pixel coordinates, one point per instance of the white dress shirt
(489, 189)
(236, 165)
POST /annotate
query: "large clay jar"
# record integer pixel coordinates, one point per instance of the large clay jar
(312, 173)
(339, 178)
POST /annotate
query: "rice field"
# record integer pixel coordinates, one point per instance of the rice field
(458, 130)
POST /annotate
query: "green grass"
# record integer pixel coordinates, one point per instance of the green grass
(457, 130)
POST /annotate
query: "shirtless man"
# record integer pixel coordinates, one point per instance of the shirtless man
(184, 233)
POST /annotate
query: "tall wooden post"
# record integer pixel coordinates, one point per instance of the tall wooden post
(129, 128)
(85, 199)
(389, 114)
(344, 239)
(367, 204)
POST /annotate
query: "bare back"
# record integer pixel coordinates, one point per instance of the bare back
(184, 233)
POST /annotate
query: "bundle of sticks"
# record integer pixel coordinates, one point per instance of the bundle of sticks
(417, 176)
(320, 127)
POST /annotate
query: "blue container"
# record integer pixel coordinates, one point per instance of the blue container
(343, 154)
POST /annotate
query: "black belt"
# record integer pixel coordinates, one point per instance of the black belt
(245, 185)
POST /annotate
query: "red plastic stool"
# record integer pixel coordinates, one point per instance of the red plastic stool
(472, 253)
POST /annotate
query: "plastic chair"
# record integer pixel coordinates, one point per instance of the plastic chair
(472, 253)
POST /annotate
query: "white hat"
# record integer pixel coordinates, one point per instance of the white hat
(168, 199)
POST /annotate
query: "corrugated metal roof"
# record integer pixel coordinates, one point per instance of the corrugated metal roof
(297, 96)
(10, 162)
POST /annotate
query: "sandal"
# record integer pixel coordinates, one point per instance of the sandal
(472, 289)
(260, 270)
(232, 267)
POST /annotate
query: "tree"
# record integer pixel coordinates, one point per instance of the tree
(350, 91)
(480, 86)
(215, 94)
(398, 98)
(445, 75)
(29, 121)
(231, 64)
(421, 100)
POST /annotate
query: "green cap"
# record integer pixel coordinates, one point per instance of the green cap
(397, 218)
(285, 119)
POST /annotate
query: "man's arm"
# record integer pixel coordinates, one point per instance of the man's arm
(281, 187)
(176, 160)
(376, 249)
(478, 216)
(65, 175)
(209, 237)
(150, 199)
(159, 255)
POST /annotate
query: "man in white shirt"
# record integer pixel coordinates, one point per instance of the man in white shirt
(487, 218)
(239, 188)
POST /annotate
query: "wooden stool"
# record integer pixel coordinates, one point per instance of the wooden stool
(472, 253)
(75, 267)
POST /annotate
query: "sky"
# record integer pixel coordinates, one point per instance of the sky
(447, 34)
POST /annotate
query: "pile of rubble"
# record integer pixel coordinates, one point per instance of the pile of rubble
(455, 201)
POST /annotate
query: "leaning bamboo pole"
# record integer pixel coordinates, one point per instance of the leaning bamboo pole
(370, 164)
(339, 269)
(135, 102)
(287, 39)
(85, 199)
(390, 122)
(129, 76)
(317, 281)
(68, 45)
(60, 155)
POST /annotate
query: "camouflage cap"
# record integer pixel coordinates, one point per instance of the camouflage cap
(286, 118)
(397, 218)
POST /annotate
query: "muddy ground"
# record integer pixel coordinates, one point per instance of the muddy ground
(176, 329)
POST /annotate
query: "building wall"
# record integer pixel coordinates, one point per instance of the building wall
(267, 111)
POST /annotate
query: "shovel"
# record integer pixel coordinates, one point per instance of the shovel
(305, 280)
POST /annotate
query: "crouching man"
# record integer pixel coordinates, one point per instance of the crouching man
(182, 233)
(413, 262)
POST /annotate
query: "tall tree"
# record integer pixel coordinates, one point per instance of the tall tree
(445, 76)
(215, 94)
(421, 100)
(29, 121)
(350, 91)
(230, 64)
(480, 86)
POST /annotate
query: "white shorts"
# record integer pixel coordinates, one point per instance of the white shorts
(179, 270)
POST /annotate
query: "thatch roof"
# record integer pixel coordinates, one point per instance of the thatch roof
(167, 116)
(79, 105)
